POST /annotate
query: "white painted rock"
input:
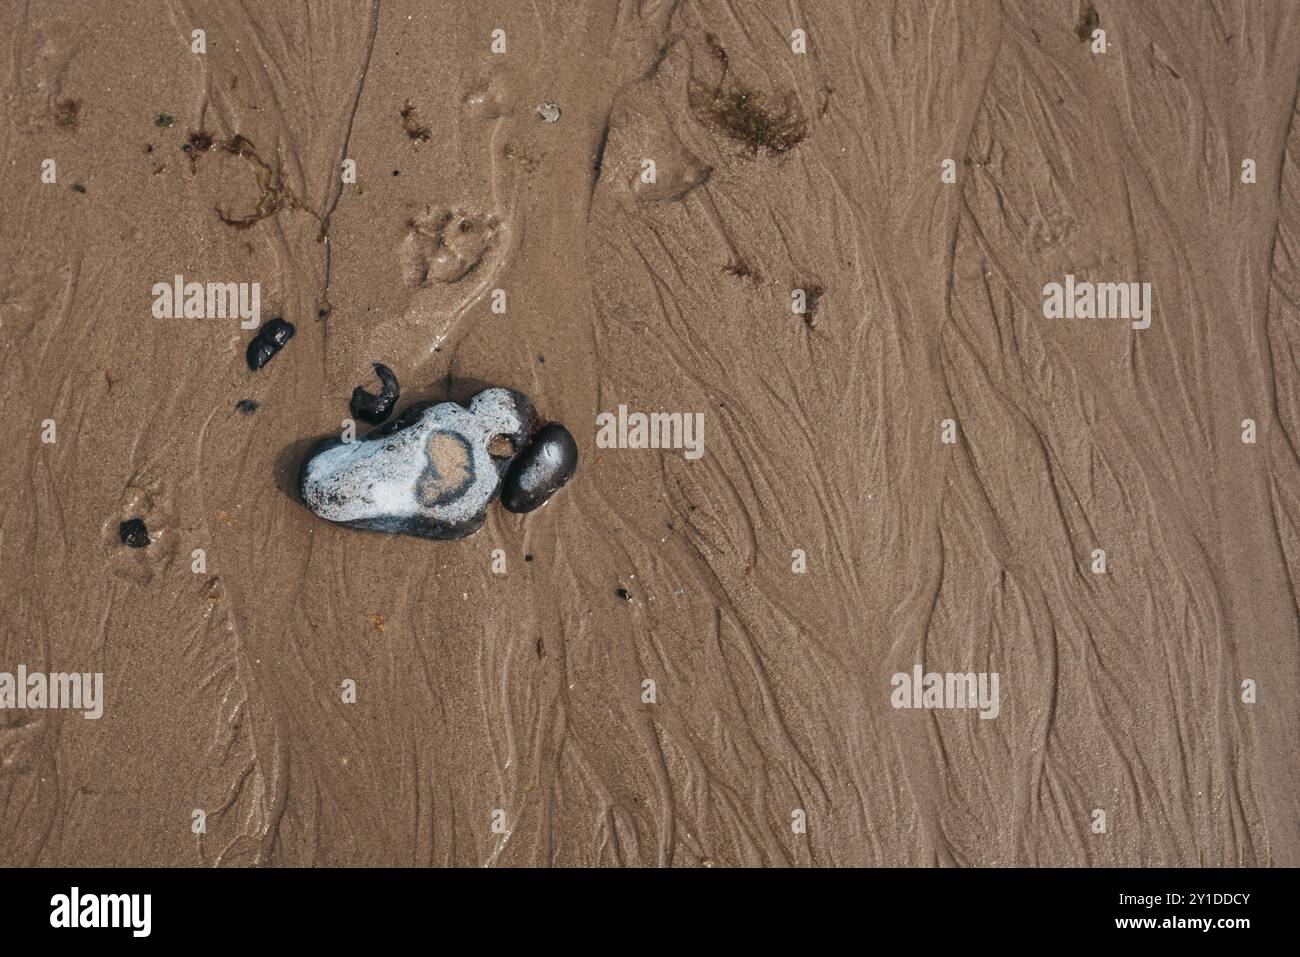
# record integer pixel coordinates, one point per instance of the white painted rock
(430, 472)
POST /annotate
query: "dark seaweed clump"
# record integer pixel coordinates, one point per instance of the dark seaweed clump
(760, 121)
(1089, 20)
(275, 195)
(199, 141)
(133, 533)
(813, 293)
(67, 113)
(412, 127)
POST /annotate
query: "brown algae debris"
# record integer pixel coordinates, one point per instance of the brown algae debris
(812, 295)
(758, 120)
(412, 127)
(67, 113)
(274, 195)
(1089, 20)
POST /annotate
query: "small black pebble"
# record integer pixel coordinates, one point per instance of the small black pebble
(541, 469)
(542, 359)
(397, 172)
(623, 593)
(269, 340)
(133, 533)
(375, 408)
(528, 558)
(246, 406)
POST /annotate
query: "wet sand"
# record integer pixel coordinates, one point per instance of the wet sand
(827, 538)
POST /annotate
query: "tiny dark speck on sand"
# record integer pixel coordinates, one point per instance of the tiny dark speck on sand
(133, 533)
(245, 406)
(624, 594)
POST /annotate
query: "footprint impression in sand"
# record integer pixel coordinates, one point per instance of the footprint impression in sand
(445, 246)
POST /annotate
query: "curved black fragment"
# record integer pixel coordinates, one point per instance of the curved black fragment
(540, 470)
(133, 533)
(269, 340)
(375, 408)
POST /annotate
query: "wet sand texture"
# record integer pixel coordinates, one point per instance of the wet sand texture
(505, 719)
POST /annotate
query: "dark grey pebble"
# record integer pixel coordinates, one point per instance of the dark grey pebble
(133, 533)
(245, 406)
(269, 340)
(541, 470)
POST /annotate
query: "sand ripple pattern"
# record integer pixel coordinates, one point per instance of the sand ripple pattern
(522, 694)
